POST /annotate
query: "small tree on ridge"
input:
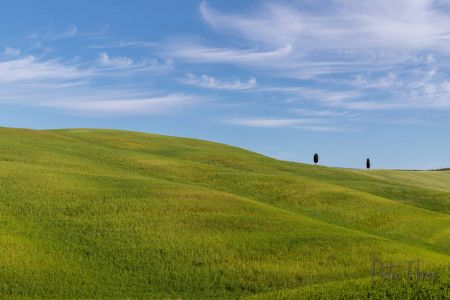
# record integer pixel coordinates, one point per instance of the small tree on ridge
(316, 158)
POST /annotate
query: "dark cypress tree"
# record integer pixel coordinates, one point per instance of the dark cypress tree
(316, 158)
(368, 164)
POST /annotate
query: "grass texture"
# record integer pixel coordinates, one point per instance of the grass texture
(112, 214)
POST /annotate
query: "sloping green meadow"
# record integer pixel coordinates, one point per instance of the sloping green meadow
(114, 214)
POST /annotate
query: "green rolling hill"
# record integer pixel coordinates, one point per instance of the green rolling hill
(113, 214)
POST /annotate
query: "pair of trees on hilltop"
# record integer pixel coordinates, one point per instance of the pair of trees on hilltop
(316, 161)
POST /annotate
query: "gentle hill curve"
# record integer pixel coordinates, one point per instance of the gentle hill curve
(104, 213)
(436, 180)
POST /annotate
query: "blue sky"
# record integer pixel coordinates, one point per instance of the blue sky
(347, 79)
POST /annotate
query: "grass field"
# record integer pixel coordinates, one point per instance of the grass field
(114, 214)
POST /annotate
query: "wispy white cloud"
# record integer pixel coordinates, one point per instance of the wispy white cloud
(30, 68)
(127, 63)
(102, 106)
(122, 44)
(304, 124)
(408, 24)
(274, 123)
(210, 82)
(49, 33)
(406, 122)
(327, 97)
(363, 81)
(198, 53)
(326, 113)
(9, 51)
(70, 32)
(115, 62)
(354, 55)
(71, 86)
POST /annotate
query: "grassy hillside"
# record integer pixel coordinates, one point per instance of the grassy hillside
(113, 214)
(438, 180)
